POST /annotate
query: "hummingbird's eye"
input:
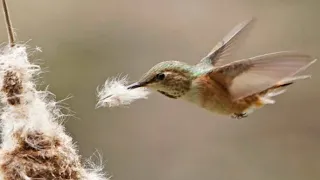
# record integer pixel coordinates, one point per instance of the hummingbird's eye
(160, 76)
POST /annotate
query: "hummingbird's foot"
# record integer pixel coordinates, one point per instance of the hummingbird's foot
(239, 115)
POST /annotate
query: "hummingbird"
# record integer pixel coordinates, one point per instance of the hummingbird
(233, 88)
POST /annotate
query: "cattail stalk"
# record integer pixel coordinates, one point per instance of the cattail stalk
(34, 142)
(8, 23)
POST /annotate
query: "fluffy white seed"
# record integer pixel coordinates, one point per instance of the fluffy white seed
(115, 93)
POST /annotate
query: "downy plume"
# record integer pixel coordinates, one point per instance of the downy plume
(115, 93)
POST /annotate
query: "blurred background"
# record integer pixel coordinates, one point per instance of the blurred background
(85, 42)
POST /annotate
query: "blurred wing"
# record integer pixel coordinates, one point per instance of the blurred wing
(228, 43)
(246, 77)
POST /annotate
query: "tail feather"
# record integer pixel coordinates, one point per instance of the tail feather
(284, 85)
(265, 96)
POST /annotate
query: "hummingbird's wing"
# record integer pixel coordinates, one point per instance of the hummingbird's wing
(249, 76)
(218, 55)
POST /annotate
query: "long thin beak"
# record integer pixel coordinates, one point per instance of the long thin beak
(135, 85)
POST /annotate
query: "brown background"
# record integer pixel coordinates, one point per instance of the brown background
(84, 42)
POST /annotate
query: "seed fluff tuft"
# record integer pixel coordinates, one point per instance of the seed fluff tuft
(34, 144)
(115, 93)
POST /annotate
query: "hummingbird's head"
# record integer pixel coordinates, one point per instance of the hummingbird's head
(170, 78)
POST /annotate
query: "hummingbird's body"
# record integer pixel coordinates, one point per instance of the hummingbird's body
(209, 94)
(233, 89)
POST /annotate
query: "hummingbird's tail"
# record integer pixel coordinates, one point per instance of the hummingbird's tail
(266, 95)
